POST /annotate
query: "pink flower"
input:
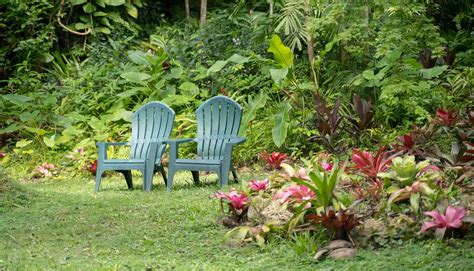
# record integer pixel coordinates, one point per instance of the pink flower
(452, 219)
(257, 185)
(2, 154)
(297, 194)
(326, 166)
(234, 199)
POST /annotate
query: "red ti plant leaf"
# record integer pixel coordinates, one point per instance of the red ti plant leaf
(426, 60)
(92, 167)
(341, 223)
(364, 113)
(274, 160)
(446, 117)
(371, 165)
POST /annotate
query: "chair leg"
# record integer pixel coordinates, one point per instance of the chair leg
(195, 177)
(236, 179)
(98, 178)
(169, 184)
(148, 178)
(163, 173)
(224, 177)
(128, 178)
(234, 174)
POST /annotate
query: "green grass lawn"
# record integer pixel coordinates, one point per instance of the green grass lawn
(66, 225)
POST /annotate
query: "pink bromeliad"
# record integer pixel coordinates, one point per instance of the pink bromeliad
(256, 185)
(235, 199)
(296, 193)
(450, 220)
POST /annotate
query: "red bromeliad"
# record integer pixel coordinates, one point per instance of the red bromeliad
(274, 160)
(371, 165)
(450, 220)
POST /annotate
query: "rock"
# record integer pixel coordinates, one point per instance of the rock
(337, 249)
(342, 253)
(338, 244)
(320, 253)
(276, 214)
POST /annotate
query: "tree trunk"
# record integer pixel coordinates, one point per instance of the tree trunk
(202, 19)
(186, 8)
(310, 44)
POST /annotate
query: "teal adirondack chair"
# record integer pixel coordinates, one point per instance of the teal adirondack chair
(151, 127)
(218, 123)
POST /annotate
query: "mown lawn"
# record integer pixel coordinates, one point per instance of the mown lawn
(66, 225)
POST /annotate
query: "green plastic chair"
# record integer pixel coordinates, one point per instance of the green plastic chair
(218, 123)
(151, 127)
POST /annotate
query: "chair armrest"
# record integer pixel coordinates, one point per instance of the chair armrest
(103, 148)
(177, 141)
(236, 140)
(106, 144)
(230, 145)
(174, 144)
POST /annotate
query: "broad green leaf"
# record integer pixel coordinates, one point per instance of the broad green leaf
(176, 72)
(99, 14)
(89, 8)
(128, 93)
(139, 57)
(104, 30)
(278, 75)
(282, 119)
(17, 99)
(237, 235)
(97, 124)
(27, 116)
(77, 2)
(189, 88)
(84, 143)
(216, 66)
(105, 21)
(49, 141)
(100, 3)
(131, 10)
(177, 100)
(127, 116)
(23, 143)
(236, 58)
(35, 130)
(80, 26)
(10, 129)
(114, 2)
(282, 54)
(136, 77)
(433, 72)
(415, 202)
(251, 111)
(368, 74)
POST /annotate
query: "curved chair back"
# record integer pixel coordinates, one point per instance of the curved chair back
(152, 122)
(218, 120)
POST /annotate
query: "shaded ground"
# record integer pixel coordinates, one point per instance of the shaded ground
(66, 225)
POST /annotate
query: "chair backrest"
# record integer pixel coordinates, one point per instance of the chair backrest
(152, 122)
(218, 120)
